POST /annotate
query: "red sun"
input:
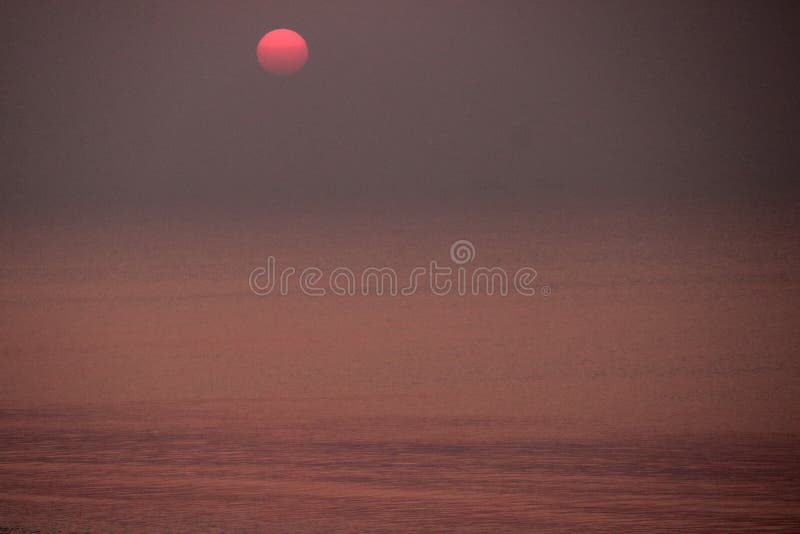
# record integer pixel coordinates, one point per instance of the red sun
(282, 52)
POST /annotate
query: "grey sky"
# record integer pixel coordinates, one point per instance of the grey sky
(116, 106)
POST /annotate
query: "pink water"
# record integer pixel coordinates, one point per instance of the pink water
(245, 466)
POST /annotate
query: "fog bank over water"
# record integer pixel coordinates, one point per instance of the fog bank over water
(655, 322)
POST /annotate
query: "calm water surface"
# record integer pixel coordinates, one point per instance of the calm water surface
(229, 467)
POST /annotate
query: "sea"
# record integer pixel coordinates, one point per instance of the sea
(252, 466)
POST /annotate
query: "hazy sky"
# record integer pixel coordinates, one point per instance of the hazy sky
(151, 105)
